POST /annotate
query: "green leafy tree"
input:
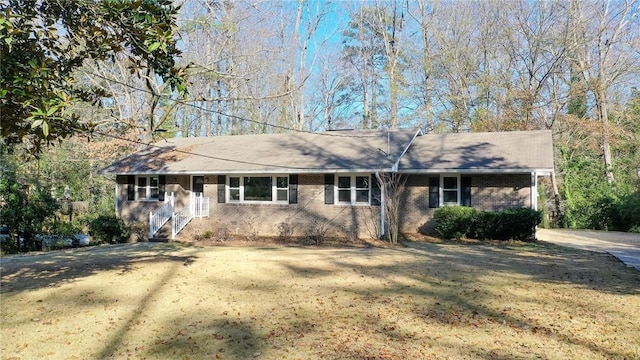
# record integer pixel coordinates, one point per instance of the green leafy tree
(43, 42)
(24, 209)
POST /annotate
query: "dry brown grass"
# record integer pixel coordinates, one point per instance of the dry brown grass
(422, 301)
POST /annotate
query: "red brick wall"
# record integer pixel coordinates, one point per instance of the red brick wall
(311, 215)
(488, 192)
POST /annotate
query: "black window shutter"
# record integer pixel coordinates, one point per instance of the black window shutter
(465, 196)
(293, 189)
(434, 192)
(162, 182)
(376, 194)
(329, 181)
(222, 180)
(131, 187)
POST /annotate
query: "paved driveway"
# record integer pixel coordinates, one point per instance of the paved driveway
(624, 246)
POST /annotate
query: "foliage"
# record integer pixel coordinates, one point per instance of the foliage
(485, 225)
(589, 201)
(517, 223)
(44, 42)
(453, 222)
(109, 229)
(62, 228)
(8, 246)
(139, 231)
(24, 209)
(627, 213)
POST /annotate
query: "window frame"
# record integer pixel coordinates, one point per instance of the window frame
(275, 190)
(353, 189)
(458, 190)
(147, 188)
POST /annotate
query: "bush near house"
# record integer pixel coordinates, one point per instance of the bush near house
(109, 229)
(455, 222)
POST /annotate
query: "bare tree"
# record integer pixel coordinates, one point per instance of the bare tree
(604, 34)
(392, 186)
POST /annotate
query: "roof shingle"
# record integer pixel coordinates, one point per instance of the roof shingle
(345, 151)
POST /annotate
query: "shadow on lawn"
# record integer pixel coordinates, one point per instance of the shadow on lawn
(450, 274)
(446, 278)
(43, 270)
(543, 262)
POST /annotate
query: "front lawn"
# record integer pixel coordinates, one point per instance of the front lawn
(423, 301)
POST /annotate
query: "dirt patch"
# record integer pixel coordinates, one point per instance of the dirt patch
(421, 300)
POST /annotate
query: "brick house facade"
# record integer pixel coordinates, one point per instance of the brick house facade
(304, 185)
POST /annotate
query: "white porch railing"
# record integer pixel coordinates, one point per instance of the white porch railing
(198, 207)
(180, 220)
(161, 216)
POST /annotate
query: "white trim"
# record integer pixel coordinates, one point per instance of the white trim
(383, 225)
(147, 188)
(117, 208)
(274, 189)
(541, 172)
(396, 165)
(318, 171)
(534, 191)
(352, 189)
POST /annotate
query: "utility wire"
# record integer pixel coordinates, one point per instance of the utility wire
(177, 150)
(191, 104)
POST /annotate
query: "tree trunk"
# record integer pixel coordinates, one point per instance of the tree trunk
(601, 104)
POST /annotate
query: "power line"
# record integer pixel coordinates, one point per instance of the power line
(190, 104)
(190, 153)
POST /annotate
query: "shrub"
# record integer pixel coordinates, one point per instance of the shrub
(139, 231)
(64, 229)
(221, 232)
(453, 222)
(627, 216)
(317, 232)
(484, 225)
(518, 224)
(109, 229)
(8, 245)
(285, 232)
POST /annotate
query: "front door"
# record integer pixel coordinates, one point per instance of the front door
(197, 185)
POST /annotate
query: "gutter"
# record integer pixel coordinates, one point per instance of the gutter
(397, 163)
(383, 224)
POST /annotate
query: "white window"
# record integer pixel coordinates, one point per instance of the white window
(353, 189)
(450, 190)
(147, 188)
(282, 188)
(259, 188)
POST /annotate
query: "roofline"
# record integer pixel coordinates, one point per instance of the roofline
(538, 171)
(266, 171)
(397, 163)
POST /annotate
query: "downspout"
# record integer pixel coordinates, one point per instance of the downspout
(117, 198)
(534, 198)
(534, 190)
(382, 213)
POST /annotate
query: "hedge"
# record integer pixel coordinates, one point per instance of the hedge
(455, 222)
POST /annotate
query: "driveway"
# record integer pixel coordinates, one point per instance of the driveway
(624, 246)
